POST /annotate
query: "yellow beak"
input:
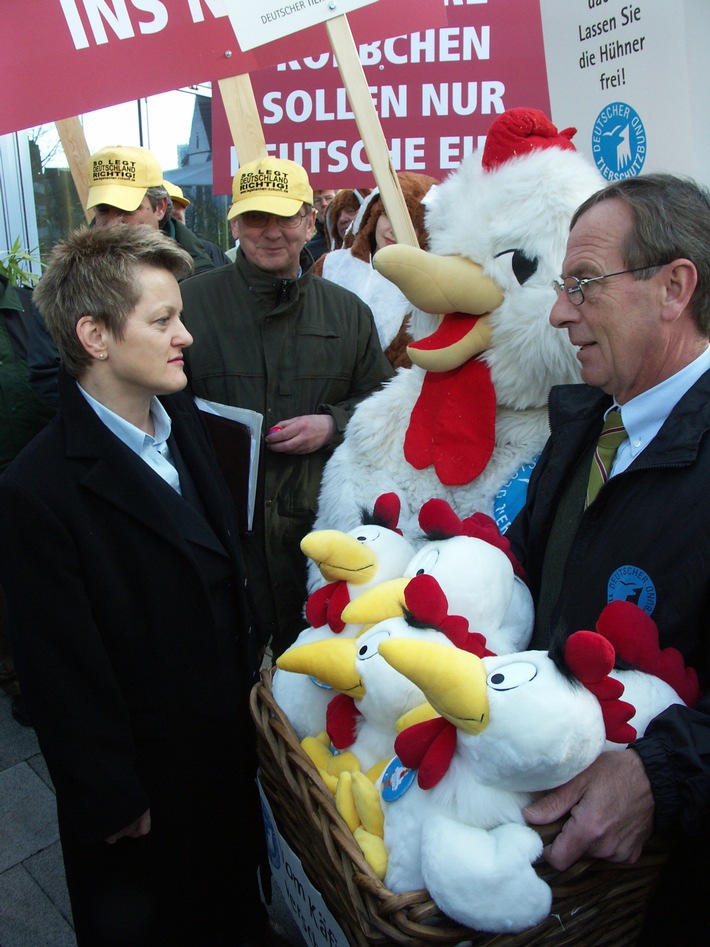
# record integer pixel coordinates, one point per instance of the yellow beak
(453, 681)
(385, 600)
(331, 661)
(340, 556)
(438, 284)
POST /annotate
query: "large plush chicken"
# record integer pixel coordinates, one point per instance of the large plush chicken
(521, 723)
(469, 418)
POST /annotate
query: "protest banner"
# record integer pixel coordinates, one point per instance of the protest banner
(262, 24)
(436, 91)
(64, 57)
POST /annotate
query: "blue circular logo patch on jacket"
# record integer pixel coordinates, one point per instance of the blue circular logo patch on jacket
(631, 584)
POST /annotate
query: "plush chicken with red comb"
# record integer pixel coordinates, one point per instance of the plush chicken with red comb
(467, 421)
(508, 727)
(474, 567)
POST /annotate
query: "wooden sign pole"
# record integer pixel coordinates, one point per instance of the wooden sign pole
(71, 135)
(243, 118)
(368, 123)
(247, 134)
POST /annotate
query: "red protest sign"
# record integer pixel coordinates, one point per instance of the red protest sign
(436, 92)
(64, 57)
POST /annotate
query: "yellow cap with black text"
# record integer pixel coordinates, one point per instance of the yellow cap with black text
(271, 185)
(119, 175)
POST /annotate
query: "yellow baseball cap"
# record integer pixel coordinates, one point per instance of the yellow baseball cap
(119, 176)
(175, 192)
(271, 185)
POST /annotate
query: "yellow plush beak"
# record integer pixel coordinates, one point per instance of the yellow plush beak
(438, 284)
(385, 600)
(453, 681)
(340, 556)
(331, 661)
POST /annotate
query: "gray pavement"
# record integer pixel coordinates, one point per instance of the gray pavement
(34, 904)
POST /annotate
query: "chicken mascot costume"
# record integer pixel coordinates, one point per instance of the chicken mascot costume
(468, 420)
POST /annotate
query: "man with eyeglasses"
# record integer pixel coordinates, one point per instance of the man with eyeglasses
(273, 337)
(634, 298)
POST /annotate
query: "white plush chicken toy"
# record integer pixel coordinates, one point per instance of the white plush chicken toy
(372, 694)
(350, 563)
(476, 570)
(509, 726)
(468, 420)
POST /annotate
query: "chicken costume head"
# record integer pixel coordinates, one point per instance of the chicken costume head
(469, 419)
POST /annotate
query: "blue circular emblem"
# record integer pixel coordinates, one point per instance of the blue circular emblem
(396, 780)
(510, 499)
(619, 142)
(272, 840)
(631, 584)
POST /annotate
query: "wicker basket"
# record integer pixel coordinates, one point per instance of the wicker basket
(594, 902)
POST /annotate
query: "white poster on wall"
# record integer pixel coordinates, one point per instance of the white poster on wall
(634, 79)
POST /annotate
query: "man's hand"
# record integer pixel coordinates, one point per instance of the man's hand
(610, 808)
(135, 830)
(302, 435)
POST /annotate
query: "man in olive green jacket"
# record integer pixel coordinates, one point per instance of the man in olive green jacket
(302, 351)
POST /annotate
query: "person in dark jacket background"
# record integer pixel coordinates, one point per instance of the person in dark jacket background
(130, 632)
(300, 350)
(173, 224)
(635, 300)
(28, 399)
(318, 244)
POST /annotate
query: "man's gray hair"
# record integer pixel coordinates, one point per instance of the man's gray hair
(671, 220)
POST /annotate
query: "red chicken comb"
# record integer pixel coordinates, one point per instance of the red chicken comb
(590, 657)
(386, 511)
(426, 602)
(634, 635)
(439, 521)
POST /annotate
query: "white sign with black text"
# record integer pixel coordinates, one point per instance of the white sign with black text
(258, 22)
(633, 78)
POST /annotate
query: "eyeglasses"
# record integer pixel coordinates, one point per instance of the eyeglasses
(574, 287)
(259, 219)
